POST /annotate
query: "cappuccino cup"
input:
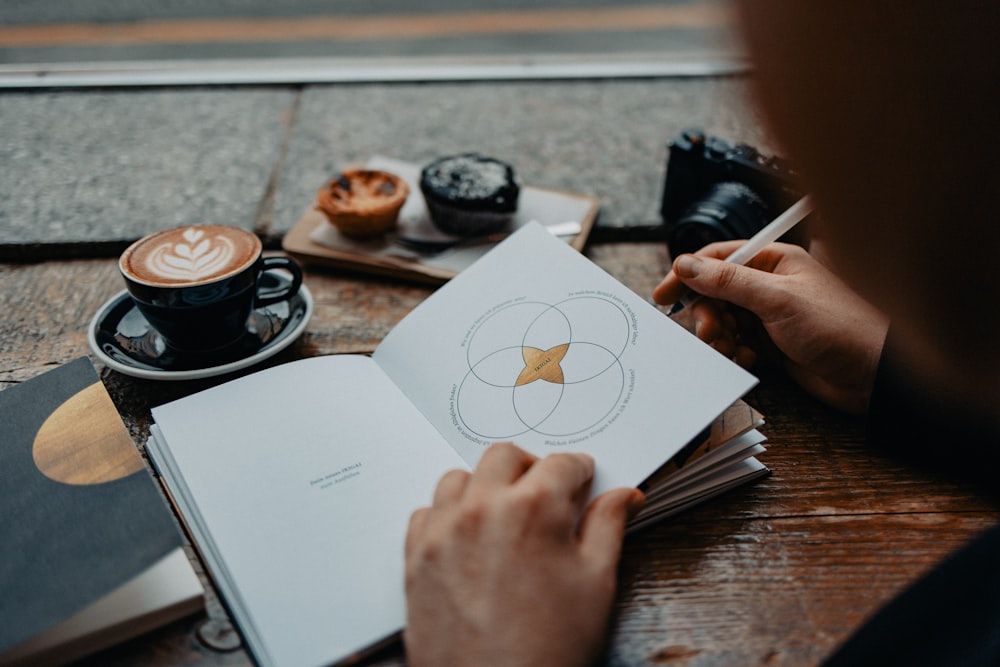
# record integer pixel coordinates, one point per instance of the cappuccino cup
(198, 285)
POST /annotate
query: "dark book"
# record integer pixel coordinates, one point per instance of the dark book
(89, 553)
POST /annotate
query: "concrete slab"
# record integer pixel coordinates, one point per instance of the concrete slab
(85, 172)
(604, 138)
(102, 168)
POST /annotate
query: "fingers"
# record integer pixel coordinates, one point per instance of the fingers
(502, 464)
(685, 272)
(750, 288)
(719, 250)
(603, 525)
(669, 291)
(553, 490)
(710, 320)
(716, 325)
(562, 477)
(559, 482)
(745, 357)
(415, 531)
(451, 487)
(672, 288)
(563, 472)
(556, 487)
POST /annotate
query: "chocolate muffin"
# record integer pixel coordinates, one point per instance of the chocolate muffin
(363, 202)
(469, 194)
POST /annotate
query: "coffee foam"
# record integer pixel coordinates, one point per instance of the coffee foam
(190, 255)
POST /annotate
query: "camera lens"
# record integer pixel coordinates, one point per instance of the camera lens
(730, 210)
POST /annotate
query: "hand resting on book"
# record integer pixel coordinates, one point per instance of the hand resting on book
(512, 565)
(803, 316)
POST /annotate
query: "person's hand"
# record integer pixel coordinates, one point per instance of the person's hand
(511, 566)
(828, 338)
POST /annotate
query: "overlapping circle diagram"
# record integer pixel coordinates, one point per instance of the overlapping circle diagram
(552, 369)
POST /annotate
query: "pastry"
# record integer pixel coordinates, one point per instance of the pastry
(469, 194)
(363, 202)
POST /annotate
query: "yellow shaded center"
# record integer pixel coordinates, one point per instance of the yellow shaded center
(542, 364)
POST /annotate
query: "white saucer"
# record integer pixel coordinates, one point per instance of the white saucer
(123, 340)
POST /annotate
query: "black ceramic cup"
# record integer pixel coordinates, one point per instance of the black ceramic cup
(198, 285)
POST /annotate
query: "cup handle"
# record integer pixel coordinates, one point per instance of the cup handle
(274, 296)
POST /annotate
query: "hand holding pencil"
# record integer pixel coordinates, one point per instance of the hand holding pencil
(770, 233)
(789, 309)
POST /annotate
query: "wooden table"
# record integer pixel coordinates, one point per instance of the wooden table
(775, 574)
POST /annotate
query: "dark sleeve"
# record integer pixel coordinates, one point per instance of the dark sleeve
(926, 428)
(951, 616)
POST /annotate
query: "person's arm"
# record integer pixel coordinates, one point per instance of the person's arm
(827, 337)
(948, 616)
(511, 566)
(926, 426)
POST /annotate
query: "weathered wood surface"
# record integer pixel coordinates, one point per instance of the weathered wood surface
(775, 574)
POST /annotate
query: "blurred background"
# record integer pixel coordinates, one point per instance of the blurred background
(240, 37)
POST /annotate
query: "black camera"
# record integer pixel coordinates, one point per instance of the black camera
(715, 191)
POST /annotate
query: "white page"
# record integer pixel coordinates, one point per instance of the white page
(303, 482)
(741, 447)
(634, 387)
(719, 482)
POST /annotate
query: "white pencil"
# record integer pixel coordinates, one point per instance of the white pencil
(791, 217)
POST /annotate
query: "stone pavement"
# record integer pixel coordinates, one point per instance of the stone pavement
(85, 172)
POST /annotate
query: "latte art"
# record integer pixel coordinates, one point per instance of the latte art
(195, 257)
(190, 255)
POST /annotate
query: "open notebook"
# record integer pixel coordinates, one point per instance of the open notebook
(297, 482)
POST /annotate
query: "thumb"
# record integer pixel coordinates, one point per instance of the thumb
(603, 525)
(752, 289)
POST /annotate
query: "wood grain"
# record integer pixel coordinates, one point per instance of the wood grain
(775, 574)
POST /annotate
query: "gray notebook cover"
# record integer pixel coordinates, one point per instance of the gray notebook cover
(79, 513)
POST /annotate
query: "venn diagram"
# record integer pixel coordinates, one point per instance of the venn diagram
(552, 369)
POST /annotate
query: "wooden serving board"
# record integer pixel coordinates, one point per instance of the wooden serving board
(313, 240)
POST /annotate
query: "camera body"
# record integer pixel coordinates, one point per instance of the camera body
(715, 191)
